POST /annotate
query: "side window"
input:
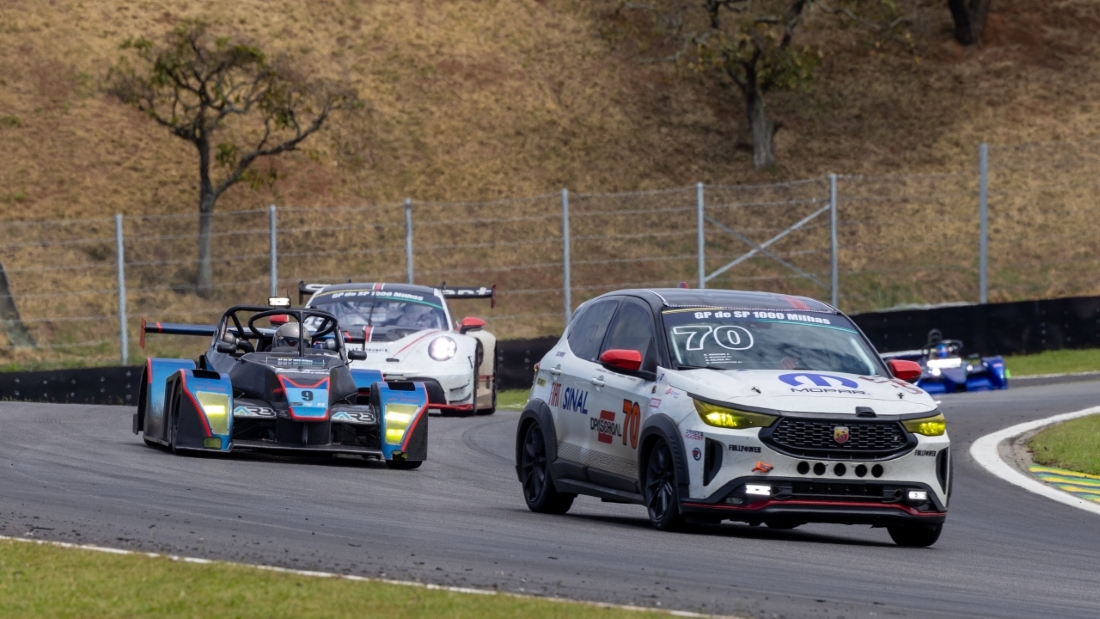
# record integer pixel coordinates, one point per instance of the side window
(633, 330)
(586, 334)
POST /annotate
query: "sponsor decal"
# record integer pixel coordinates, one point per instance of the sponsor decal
(762, 467)
(925, 452)
(355, 417)
(746, 448)
(661, 377)
(560, 353)
(654, 403)
(841, 434)
(672, 393)
(253, 411)
(633, 422)
(818, 380)
(541, 382)
(555, 393)
(900, 384)
(695, 453)
(574, 400)
(693, 435)
(605, 427)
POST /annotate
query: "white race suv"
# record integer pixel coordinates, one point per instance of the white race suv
(710, 405)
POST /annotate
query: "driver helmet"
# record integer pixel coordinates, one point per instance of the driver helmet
(942, 351)
(289, 334)
(413, 315)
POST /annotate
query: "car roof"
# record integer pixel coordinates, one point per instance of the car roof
(733, 299)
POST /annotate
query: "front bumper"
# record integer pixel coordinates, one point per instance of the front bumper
(800, 500)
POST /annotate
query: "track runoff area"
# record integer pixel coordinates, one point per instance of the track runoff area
(76, 474)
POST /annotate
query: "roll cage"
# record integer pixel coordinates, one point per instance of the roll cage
(327, 331)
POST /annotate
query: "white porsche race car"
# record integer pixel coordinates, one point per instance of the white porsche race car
(408, 335)
(710, 405)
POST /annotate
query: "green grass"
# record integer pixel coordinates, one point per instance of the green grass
(38, 580)
(512, 398)
(1073, 445)
(1054, 362)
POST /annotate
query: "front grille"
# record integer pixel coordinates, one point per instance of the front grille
(816, 438)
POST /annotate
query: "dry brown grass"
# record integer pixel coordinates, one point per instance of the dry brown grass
(480, 100)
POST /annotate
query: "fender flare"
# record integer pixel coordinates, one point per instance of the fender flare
(537, 411)
(661, 426)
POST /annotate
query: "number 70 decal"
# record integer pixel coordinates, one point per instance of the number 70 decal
(632, 423)
(726, 336)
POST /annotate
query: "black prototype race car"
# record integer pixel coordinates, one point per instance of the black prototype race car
(285, 390)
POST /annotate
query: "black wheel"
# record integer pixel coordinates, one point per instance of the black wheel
(404, 465)
(538, 487)
(660, 489)
(915, 535)
(783, 526)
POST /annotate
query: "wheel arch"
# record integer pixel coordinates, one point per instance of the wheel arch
(536, 411)
(662, 427)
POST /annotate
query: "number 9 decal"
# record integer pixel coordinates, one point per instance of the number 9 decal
(733, 338)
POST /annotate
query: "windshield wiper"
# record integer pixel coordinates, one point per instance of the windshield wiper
(684, 366)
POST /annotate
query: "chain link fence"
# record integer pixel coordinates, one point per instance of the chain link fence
(865, 242)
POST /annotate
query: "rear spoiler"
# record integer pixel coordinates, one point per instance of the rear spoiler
(449, 292)
(470, 292)
(175, 328)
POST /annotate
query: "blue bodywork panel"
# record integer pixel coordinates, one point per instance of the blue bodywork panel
(414, 402)
(214, 423)
(364, 379)
(157, 372)
(986, 374)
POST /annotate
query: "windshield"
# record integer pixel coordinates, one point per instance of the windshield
(727, 339)
(383, 315)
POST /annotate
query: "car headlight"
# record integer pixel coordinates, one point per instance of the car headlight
(442, 348)
(722, 417)
(935, 425)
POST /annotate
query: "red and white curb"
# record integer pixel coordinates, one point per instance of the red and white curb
(985, 453)
(311, 574)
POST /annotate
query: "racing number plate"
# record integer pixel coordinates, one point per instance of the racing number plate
(308, 403)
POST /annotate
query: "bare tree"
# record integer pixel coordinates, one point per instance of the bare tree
(749, 44)
(969, 17)
(227, 98)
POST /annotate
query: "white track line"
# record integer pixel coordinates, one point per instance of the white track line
(407, 583)
(984, 451)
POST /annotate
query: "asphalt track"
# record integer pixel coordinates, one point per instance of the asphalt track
(77, 474)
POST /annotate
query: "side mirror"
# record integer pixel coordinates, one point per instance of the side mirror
(470, 323)
(357, 355)
(225, 347)
(909, 371)
(622, 360)
(278, 319)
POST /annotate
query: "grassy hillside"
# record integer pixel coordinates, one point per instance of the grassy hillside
(482, 100)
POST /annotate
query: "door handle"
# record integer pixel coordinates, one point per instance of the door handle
(555, 371)
(597, 381)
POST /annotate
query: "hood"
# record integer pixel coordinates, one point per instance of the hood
(805, 391)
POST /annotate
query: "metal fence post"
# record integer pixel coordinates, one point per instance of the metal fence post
(983, 208)
(409, 240)
(274, 251)
(566, 286)
(699, 206)
(124, 344)
(834, 266)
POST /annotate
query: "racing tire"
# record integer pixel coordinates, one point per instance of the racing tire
(404, 465)
(661, 501)
(915, 535)
(538, 486)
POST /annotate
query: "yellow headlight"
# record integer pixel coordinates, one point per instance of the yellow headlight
(927, 426)
(723, 417)
(398, 417)
(216, 408)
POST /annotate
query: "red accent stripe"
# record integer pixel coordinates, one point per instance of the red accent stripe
(796, 303)
(770, 502)
(367, 330)
(426, 334)
(285, 380)
(202, 415)
(149, 371)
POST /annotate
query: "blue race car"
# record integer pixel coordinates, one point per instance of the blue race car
(944, 370)
(288, 390)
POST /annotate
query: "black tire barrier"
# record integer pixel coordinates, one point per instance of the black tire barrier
(103, 385)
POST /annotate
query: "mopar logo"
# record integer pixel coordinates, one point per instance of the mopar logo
(817, 380)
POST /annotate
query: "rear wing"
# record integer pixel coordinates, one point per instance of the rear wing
(175, 328)
(449, 292)
(470, 292)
